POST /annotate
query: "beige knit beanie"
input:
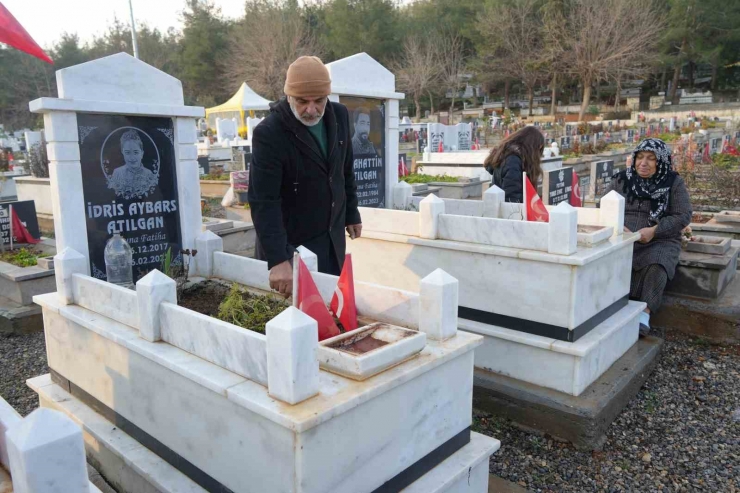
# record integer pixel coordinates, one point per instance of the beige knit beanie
(307, 78)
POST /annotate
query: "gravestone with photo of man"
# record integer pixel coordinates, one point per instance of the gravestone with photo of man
(715, 145)
(565, 142)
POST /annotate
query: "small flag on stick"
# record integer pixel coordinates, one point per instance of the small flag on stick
(534, 208)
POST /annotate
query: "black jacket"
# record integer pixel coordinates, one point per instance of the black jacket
(298, 197)
(508, 177)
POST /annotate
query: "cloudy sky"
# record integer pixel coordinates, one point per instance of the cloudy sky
(46, 20)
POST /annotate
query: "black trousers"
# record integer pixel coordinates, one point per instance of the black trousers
(648, 284)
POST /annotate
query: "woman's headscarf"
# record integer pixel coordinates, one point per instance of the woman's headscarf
(657, 188)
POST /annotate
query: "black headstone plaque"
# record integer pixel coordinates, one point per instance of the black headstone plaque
(601, 172)
(565, 142)
(129, 181)
(367, 127)
(559, 185)
(585, 138)
(204, 165)
(26, 210)
(737, 137)
(715, 145)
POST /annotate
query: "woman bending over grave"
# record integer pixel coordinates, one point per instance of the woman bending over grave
(518, 152)
(657, 206)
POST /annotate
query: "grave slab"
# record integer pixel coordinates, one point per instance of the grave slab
(581, 420)
(131, 468)
(703, 275)
(19, 319)
(715, 245)
(716, 320)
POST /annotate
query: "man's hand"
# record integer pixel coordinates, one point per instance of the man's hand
(281, 278)
(354, 230)
(647, 234)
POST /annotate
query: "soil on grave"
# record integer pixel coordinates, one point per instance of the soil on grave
(700, 218)
(582, 228)
(232, 304)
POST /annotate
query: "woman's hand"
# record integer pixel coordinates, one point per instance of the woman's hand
(647, 234)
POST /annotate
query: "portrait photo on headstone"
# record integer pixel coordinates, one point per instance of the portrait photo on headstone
(129, 183)
(367, 130)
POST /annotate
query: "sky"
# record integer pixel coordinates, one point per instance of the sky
(46, 20)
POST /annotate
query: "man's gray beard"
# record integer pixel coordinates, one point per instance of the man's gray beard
(298, 116)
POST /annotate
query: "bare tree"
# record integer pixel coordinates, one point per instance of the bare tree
(417, 68)
(606, 39)
(452, 64)
(513, 36)
(264, 43)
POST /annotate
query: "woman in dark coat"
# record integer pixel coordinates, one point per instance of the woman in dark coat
(520, 152)
(657, 206)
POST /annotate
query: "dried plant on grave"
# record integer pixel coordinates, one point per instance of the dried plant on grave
(38, 161)
(249, 311)
(178, 271)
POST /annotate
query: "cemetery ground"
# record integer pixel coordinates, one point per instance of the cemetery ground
(680, 433)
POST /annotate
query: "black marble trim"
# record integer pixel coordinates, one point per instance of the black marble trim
(394, 485)
(425, 464)
(165, 453)
(539, 328)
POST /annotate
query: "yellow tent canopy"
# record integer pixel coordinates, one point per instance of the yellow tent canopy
(245, 99)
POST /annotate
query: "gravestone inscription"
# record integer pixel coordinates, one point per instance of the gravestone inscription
(601, 177)
(26, 211)
(129, 182)
(557, 185)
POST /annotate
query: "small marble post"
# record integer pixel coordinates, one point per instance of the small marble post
(438, 297)
(309, 258)
(151, 291)
(563, 230)
(66, 263)
(401, 195)
(47, 454)
(9, 417)
(292, 356)
(206, 244)
(429, 210)
(492, 200)
(188, 181)
(612, 211)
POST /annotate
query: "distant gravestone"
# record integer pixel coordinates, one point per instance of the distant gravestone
(129, 183)
(557, 185)
(737, 137)
(629, 135)
(715, 145)
(204, 166)
(584, 139)
(436, 132)
(242, 156)
(226, 129)
(601, 177)
(26, 211)
(565, 142)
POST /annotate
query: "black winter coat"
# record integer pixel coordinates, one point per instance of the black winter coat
(508, 177)
(297, 196)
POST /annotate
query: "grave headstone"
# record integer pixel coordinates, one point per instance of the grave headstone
(601, 177)
(557, 186)
(226, 129)
(584, 139)
(129, 183)
(629, 135)
(737, 137)
(565, 142)
(672, 124)
(26, 211)
(726, 141)
(715, 145)
(204, 166)
(242, 156)
(32, 138)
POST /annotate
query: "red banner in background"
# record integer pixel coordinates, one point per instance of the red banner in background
(13, 34)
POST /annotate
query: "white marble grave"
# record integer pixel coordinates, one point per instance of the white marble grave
(522, 285)
(226, 130)
(252, 412)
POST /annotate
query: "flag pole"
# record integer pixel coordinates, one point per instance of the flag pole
(524, 194)
(133, 30)
(296, 261)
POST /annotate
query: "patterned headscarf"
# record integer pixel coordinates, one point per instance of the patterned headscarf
(657, 188)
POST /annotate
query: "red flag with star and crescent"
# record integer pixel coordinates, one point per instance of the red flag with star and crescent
(535, 208)
(309, 301)
(576, 199)
(343, 302)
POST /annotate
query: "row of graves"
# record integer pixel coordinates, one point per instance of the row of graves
(170, 399)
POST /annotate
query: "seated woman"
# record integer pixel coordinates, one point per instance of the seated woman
(657, 206)
(518, 152)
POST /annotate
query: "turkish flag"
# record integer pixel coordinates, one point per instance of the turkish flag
(402, 169)
(13, 34)
(440, 148)
(310, 302)
(536, 210)
(21, 234)
(705, 156)
(343, 303)
(576, 199)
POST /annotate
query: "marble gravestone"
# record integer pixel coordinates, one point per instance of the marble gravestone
(452, 137)
(26, 211)
(129, 182)
(565, 142)
(557, 186)
(715, 145)
(226, 129)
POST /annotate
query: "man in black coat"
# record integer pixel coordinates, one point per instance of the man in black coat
(301, 181)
